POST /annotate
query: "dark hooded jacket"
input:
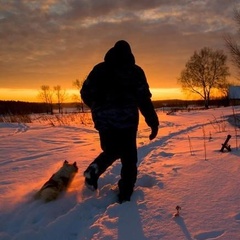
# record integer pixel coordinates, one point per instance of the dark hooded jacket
(116, 89)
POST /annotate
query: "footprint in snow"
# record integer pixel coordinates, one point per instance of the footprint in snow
(209, 235)
(166, 154)
(148, 181)
(237, 217)
(174, 168)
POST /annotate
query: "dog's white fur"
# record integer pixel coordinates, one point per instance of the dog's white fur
(58, 182)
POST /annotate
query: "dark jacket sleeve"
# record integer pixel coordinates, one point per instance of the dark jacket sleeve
(86, 93)
(144, 100)
(90, 87)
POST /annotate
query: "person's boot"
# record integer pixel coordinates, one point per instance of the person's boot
(91, 177)
(123, 198)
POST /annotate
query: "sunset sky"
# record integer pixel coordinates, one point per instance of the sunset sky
(55, 42)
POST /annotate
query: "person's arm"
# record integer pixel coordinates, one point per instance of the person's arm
(89, 91)
(145, 104)
(86, 93)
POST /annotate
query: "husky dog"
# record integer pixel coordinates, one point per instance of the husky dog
(58, 182)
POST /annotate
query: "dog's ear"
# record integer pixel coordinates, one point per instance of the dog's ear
(65, 162)
(75, 165)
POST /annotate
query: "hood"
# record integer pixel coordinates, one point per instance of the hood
(120, 54)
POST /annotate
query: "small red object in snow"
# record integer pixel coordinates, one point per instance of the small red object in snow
(178, 208)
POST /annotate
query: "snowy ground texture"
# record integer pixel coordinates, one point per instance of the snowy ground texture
(182, 167)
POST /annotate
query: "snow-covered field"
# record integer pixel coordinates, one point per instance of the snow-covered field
(182, 167)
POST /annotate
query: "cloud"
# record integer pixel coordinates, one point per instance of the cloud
(60, 40)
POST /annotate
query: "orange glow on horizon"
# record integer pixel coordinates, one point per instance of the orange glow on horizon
(167, 93)
(31, 95)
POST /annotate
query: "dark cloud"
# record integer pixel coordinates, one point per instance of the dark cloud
(58, 40)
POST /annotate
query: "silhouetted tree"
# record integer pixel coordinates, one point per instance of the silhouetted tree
(205, 71)
(78, 85)
(46, 95)
(61, 97)
(233, 45)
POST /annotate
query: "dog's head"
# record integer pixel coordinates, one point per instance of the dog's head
(71, 167)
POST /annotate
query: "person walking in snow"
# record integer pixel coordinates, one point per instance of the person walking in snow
(114, 91)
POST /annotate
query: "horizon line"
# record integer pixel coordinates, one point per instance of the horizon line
(31, 94)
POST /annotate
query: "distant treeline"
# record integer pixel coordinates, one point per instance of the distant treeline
(189, 103)
(19, 107)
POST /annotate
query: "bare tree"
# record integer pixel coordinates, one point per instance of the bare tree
(78, 85)
(205, 71)
(46, 95)
(61, 97)
(225, 89)
(233, 44)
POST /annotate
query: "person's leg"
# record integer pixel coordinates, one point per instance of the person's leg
(108, 140)
(129, 165)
